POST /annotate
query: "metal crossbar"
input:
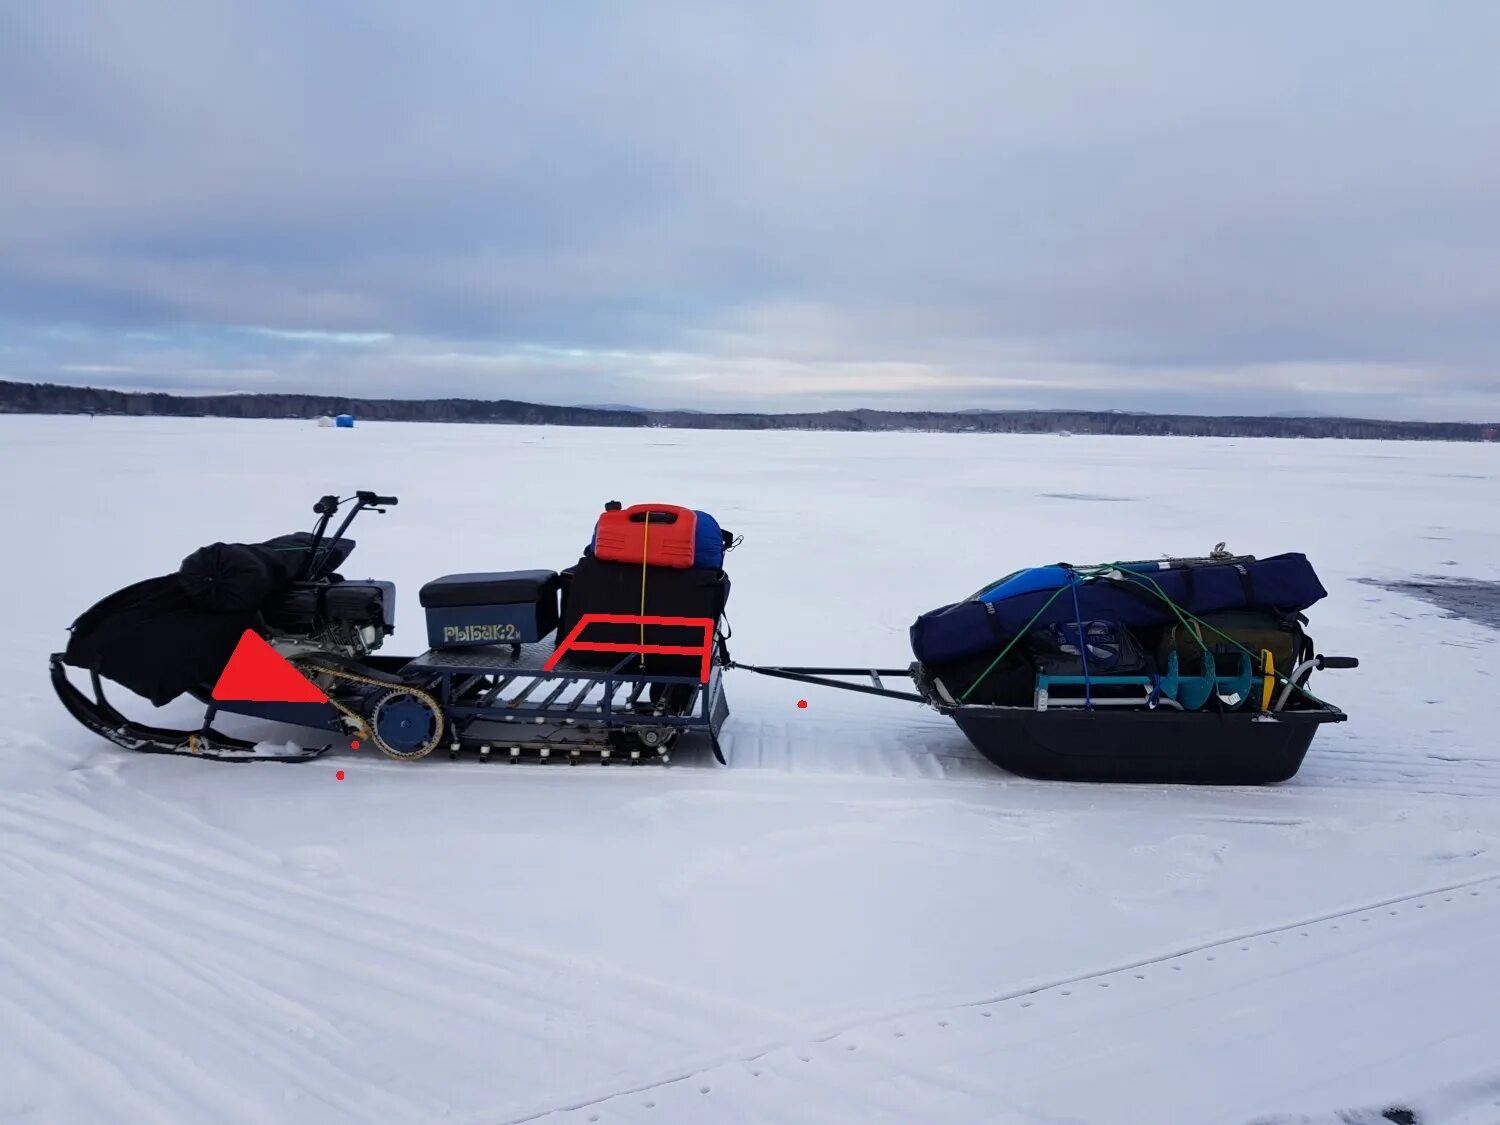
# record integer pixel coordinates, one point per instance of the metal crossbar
(821, 677)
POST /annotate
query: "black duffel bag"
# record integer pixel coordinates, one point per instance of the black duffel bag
(597, 586)
(1094, 648)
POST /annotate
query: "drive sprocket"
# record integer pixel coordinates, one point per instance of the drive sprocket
(405, 724)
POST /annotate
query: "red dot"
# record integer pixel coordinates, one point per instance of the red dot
(802, 703)
(339, 776)
(354, 745)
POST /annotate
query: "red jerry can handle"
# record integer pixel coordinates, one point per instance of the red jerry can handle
(669, 513)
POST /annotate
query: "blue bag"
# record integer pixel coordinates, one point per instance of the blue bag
(708, 543)
(1134, 599)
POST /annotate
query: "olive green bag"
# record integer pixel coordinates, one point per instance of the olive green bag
(1224, 634)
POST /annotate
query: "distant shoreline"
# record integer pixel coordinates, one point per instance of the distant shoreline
(57, 399)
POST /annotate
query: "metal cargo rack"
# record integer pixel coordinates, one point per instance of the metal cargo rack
(540, 700)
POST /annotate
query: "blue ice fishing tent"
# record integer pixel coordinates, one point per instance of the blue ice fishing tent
(344, 421)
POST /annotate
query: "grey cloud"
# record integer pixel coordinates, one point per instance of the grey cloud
(939, 205)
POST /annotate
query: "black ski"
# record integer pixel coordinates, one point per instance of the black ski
(100, 717)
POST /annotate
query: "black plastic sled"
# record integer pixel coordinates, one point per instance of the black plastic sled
(1154, 745)
(1166, 747)
(1158, 745)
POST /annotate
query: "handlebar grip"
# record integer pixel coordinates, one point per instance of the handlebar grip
(386, 501)
(1338, 662)
(373, 501)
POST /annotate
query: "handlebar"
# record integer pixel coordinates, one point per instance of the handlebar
(1303, 669)
(326, 508)
(327, 505)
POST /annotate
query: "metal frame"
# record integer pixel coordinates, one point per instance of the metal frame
(568, 697)
(526, 687)
(821, 678)
(530, 686)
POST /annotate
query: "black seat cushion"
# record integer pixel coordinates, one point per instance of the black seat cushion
(502, 587)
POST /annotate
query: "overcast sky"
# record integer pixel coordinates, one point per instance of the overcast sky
(1214, 207)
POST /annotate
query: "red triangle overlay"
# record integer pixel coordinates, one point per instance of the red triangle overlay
(256, 673)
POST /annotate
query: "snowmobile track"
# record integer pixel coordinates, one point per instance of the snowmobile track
(197, 919)
(919, 1064)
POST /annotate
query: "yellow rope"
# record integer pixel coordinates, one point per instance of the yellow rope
(645, 554)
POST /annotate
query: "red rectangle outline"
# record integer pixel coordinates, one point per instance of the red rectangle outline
(571, 641)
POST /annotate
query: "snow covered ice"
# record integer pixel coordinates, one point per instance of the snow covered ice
(860, 920)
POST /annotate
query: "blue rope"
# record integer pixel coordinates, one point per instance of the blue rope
(1083, 643)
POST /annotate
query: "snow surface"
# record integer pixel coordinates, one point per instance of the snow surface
(861, 920)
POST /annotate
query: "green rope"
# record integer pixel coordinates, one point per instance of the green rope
(964, 698)
(1185, 617)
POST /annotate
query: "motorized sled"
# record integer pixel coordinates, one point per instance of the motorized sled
(616, 657)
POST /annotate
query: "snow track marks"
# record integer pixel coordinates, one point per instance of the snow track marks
(136, 935)
(1076, 1045)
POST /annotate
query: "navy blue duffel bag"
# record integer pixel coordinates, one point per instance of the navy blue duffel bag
(1128, 596)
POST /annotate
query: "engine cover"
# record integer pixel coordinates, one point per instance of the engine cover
(342, 612)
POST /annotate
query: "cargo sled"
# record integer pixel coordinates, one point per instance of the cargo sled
(1142, 744)
(1176, 671)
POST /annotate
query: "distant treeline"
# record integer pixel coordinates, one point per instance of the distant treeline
(50, 398)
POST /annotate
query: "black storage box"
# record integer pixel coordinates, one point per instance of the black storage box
(499, 607)
(597, 586)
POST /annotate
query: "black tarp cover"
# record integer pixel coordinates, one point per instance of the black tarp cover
(167, 635)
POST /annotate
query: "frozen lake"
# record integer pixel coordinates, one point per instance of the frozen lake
(860, 920)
